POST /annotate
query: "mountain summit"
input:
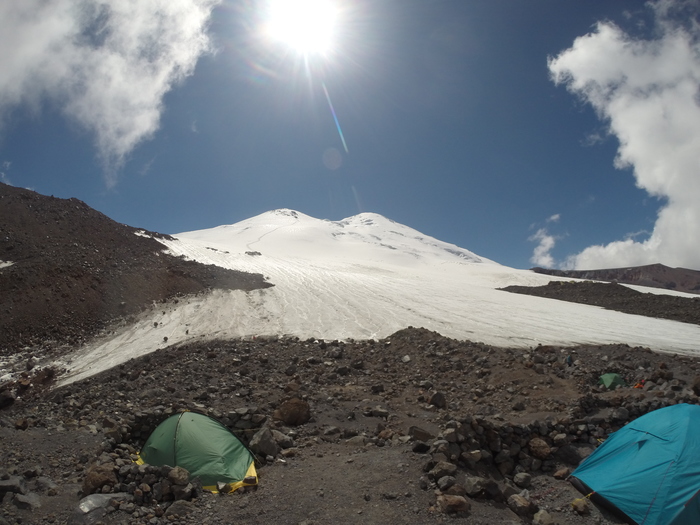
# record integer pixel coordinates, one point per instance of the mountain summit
(363, 237)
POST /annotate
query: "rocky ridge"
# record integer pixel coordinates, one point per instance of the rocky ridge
(653, 275)
(614, 296)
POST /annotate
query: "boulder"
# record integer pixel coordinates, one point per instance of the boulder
(264, 444)
(293, 412)
(99, 476)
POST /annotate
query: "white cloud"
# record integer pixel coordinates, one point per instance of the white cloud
(106, 63)
(541, 254)
(4, 168)
(647, 91)
(554, 218)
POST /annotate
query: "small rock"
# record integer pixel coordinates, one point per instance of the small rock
(446, 482)
(283, 440)
(14, 484)
(6, 399)
(178, 476)
(420, 434)
(183, 492)
(562, 473)
(581, 506)
(522, 480)
(474, 485)
(263, 443)
(93, 507)
(438, 399)
(542, 517)
(357, 441)
(620, 414)
(442, 469)
(379, 412)
(519, 505)
(539, 448)
(28, 501)
(450, 504)
(695, 386)
(560, 440)
(419, 447)
(180, 508)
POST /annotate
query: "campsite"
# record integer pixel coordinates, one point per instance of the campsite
(410, 427)
(312, 262)
(379, 445)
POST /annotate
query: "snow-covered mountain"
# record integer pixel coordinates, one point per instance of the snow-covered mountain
(364, 238)
(367, 277)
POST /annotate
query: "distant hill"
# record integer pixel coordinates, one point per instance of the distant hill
(654, 275)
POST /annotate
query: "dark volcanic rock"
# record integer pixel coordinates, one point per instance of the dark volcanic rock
(293, 412)
(614, 296)
(75, 270)
(654, 275)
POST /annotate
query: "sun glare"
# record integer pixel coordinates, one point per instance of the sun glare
(307, 26)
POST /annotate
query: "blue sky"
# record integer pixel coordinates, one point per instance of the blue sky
(563, 134)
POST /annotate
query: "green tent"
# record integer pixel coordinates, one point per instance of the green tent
(203, 446)
(611, 381)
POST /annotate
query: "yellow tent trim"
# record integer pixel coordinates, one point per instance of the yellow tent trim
(230, 487)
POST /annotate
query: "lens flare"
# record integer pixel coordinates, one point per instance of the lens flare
(337, 124)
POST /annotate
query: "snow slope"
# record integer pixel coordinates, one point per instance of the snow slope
(366, 277)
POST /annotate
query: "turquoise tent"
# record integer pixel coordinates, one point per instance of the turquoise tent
(649, 470)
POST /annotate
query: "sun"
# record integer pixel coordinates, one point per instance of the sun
(307, 26)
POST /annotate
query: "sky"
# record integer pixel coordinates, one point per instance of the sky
(538, 133)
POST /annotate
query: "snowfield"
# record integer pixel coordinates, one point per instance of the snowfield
(366, 277)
